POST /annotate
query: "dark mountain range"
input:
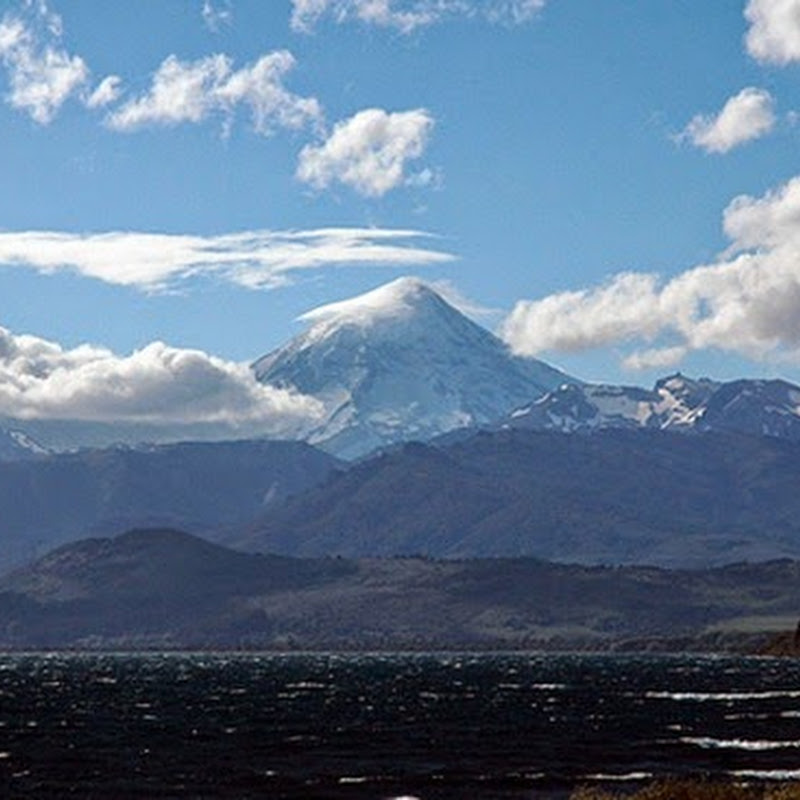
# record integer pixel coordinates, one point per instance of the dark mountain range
(163, 588)
(401, 363)
(615, 497)
(198, 486)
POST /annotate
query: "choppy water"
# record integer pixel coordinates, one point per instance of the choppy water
(351, 726)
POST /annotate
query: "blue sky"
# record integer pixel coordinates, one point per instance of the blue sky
(612, 181)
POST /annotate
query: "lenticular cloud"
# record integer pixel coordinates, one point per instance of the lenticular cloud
(259, 259)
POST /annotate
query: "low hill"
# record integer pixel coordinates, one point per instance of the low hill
(164, 588)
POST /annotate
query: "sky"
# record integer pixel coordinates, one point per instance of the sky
(613, 185)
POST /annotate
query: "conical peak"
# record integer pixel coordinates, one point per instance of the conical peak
(393, 301)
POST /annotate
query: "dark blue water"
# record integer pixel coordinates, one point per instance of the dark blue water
(349, 726)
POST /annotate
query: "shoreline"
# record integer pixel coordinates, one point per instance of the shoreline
(763, 645)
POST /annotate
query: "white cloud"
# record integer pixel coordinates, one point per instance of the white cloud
(625, 307)
(215, 16)
(747, 116)
(657, 358)
(192, 91)
(42, 75)
(180, 93)
(408, 15)
(747, 302)
(253, 259)
(105, 93)
(513, 11)
(774, 33)
(157, 385)
(368, 152)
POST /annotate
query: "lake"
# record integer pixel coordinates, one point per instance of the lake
(428, 726)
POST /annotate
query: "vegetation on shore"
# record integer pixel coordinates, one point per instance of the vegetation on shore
(695, 789)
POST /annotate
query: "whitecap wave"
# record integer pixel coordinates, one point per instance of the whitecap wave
(768, 774)
(734, 696)
(708, 743)
(627, 776)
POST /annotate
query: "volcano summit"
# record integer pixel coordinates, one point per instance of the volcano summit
(400, 363)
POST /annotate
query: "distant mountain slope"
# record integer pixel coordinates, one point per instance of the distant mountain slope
(756, 407)
(400, 363)
(16, 446)
(163, 588)
(616, 497)
(199, 486)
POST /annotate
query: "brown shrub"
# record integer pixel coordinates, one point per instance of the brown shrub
(683, 789)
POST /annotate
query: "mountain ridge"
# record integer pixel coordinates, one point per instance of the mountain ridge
(759, 407)
(15, 445)
(402, 363)
(618, 496)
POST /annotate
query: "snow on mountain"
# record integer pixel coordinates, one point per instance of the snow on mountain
(757, 407)
(571, 407)
(400, 363)
(16, 445)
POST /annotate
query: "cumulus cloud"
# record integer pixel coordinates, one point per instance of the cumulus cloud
(42, 74)
(578, 320)
(368, 152)
(747, 302)
(409, 15)
(774, 32)
(747, 116)
(157, 385)
(253, 259)
(192, 91)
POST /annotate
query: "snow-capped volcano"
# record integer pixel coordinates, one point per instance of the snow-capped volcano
(401, 363)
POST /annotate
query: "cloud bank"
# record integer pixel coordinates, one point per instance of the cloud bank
(157, 385)
(253, 259)
(747, 116)
(747, 302)
(368, 152)
(409, 15)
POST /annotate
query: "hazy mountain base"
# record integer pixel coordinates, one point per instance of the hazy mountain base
(609, 497)
(166, 589)
(197, 486)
